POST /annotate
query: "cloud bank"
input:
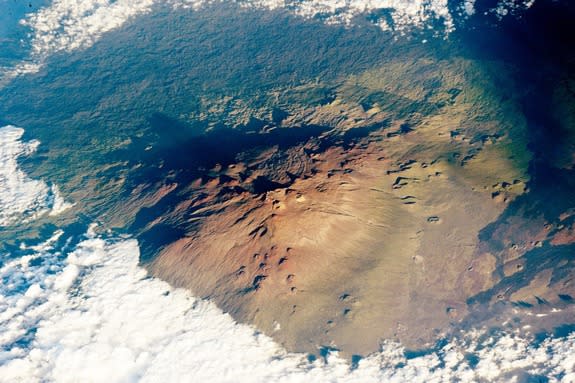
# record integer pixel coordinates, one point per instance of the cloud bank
(22, 198)
(93, 315)
(80, 309)
(67, 25)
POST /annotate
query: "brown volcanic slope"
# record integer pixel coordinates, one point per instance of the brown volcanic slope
(393, 204)
(346, 223)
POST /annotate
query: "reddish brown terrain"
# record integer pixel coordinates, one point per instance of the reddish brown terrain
(331, 186)
(362, 228)
(378, 211)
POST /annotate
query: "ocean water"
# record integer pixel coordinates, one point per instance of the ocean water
(75, 306)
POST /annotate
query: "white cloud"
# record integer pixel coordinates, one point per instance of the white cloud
(405, 13)
(67, 25)
(468, 7)
(99, 318)
(89, 313)
(93, 315)
(511, 7)
(22, 198)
